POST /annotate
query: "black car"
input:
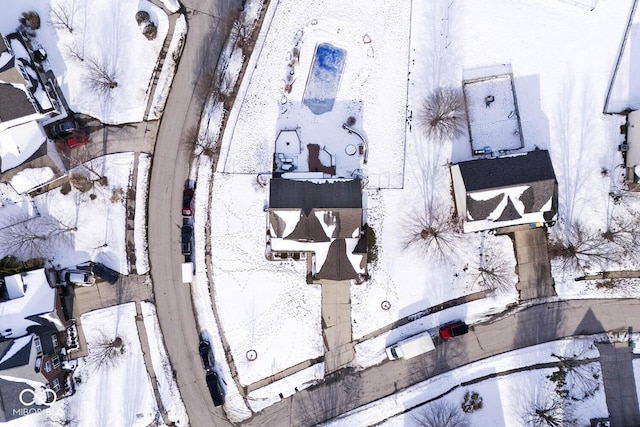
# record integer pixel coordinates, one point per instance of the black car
(215, 388)
(64, 128)
(105, 273)
(206, 355)
(186, 233)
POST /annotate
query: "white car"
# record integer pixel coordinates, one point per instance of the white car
(77, 277)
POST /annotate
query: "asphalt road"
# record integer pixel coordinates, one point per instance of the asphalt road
(168, 173)
(534, 325)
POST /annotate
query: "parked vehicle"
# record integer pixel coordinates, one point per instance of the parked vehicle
(411, 347)
(215, 388)
(105, 273)
(453, 330)
(187, 272)
(186, 235)
(63, 128)
(77, 277)
(187, 198)
(206, 355)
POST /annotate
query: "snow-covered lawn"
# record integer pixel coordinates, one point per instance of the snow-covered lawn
(253, 294)
(140, 216)
(78, 226)
(108, 45)
(504, 398)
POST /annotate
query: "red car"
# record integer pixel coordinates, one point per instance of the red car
(453, 330)
(187, 197)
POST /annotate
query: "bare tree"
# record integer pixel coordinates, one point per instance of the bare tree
(545, 409)
(442, 115)
(441, 413)
(63, 417)
(73, 52)
(576, 378)
(35, 237)
(62, 14)
(101, 76)
(107, 352)
(435, 234)
(491, 271)
(582, 247)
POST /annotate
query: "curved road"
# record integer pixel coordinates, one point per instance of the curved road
(208, 27)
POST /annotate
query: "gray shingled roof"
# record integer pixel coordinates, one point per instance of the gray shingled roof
(502, 172)
(287, 193)
(14, 103)
(337, 265)
(19, 358)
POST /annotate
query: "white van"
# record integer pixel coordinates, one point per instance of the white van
(411, 347)
(187, 272)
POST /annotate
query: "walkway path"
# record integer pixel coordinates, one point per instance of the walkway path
(619, 384)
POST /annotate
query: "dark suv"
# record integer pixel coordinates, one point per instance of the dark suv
(215, 388)
(186, 235)
(206, 355)
(64, 128)
(453, 330)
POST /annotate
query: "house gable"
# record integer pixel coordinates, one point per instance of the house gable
(493, 193)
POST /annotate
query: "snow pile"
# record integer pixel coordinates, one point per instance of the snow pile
(169, 393)
(168, 69)
(140, 216)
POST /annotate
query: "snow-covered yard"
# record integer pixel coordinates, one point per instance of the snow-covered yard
(74, 226)
(506, 399)
(112, 384)
(560, 93)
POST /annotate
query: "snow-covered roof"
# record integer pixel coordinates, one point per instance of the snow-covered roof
(22, 95)
(38, 299)
(19, 143)
(492, 112)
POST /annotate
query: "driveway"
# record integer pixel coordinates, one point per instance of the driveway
(168, 173)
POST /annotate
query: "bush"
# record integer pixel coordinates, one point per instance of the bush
(30, 19)
(150, 31)
(471, 402)
(142, 16)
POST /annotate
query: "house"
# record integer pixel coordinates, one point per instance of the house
(34, 319)
(320, 217)
(506, 191)
(32, 362)
(26, 96)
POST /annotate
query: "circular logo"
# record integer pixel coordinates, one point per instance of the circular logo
(37, 399)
